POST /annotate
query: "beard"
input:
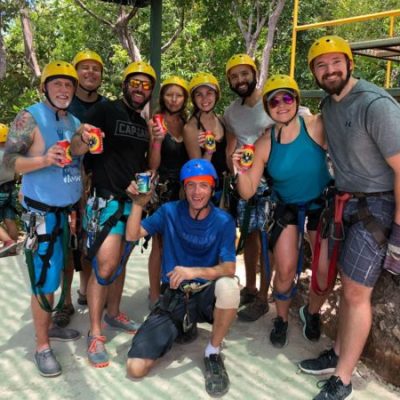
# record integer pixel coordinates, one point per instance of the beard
(133, 104)
(247, 92)
(334, 87)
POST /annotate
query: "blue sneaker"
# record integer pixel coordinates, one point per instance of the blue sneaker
(47, 363)
(121, 322)
(97, 353)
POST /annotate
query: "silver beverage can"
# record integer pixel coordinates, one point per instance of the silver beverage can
(143, 181)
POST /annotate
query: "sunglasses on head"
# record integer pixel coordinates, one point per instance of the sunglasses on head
(135, 83)
(287, 98)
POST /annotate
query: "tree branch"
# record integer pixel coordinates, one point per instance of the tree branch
(93, 14)
(30, 54)
(177, 32)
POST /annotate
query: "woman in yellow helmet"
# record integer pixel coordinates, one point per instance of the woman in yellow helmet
(204, 133)
(167, 155)
(292, 154)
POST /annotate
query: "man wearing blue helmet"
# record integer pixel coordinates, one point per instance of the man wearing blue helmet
(198, 267)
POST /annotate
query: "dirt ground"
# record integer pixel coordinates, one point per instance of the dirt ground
(256, 369)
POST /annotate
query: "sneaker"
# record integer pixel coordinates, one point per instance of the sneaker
(63, 334)
(324, 364)
(334, 389)
(121, 322)
(217, 379)
(253, 311)
(82, 298)
(278, 335)
(47, 364)
(62, 317)
(9, 248)
(96, 352)
(246, 296)
(311, 324)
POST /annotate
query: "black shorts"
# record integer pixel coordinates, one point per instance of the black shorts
(312, 217)
(161, 328)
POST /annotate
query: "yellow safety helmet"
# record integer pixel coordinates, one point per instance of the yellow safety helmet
(58, 68)
(329, 44)
(206, 79)
(280, 81)
(139, 67)
(240, 59)
(3, 133)
(87, 55)
(176, 80)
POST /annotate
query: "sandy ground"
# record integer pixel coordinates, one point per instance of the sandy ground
(256, 369)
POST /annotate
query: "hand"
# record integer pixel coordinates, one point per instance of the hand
(54, 156)
(236, 157)
(392, 259)
(141, 199)
(155, 132)
(85, 132)
(178, 275)
(201, 139)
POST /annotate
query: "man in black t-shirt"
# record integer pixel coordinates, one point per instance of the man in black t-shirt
(126, 141)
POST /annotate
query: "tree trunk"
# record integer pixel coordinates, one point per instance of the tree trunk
(3, 57)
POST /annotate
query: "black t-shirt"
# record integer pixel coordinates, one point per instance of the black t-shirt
(126, 144)
(173, 156)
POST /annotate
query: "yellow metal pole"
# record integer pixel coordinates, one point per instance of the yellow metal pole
(389, 63)
(294, 38)
(342, 21)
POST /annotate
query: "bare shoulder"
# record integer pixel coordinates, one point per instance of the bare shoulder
(315, 128)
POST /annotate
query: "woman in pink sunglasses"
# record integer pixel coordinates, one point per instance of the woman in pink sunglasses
(292, 154)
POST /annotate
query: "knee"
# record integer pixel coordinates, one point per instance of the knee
(284, 273)
(227, 293)
(137, 368)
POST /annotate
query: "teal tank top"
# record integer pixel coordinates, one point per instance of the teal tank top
(298, 169)
(54, 186)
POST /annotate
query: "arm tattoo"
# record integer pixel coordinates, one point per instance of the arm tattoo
(20, 138)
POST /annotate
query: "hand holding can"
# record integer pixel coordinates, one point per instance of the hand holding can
(209, 142)
(247, 158)
(67, 159)
(158, 119)
(143, 181)
(96, 141)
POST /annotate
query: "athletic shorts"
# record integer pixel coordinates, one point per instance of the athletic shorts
(312, 217)
(158, 333)
(257, 209)
(53, 276)
(360, 257)
(106, 213)
(8, 203)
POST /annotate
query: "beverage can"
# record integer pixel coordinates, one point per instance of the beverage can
(159, 121)
(247, 158)
(65, 144)
(143, 181)
(209, 143)
(96, 141)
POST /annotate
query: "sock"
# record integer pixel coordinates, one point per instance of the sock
(210, 349)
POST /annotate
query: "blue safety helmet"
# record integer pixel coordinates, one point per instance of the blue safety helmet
(198, 167)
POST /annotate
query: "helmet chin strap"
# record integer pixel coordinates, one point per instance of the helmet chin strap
(89, 92)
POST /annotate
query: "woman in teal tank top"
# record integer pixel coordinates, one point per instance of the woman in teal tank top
(293, 154)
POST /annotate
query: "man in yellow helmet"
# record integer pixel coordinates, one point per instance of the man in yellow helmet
(37, 147)
(362, 126)
(246, 121)
(8, 202)
(126, 143)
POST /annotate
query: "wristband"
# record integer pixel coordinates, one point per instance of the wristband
(87, 144)
(156, 145)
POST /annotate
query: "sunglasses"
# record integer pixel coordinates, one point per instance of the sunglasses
(286, 99)
(135, 83)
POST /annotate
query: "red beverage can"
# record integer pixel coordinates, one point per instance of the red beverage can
(209, 143)
(159, 121)
(65, 144)
(247, 158)
(96, 141)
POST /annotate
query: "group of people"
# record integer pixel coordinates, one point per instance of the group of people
(287, 193)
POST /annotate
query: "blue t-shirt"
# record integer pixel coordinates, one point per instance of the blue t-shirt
(189, 242)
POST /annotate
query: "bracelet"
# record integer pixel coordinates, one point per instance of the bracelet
(87, 144)
(156, 145)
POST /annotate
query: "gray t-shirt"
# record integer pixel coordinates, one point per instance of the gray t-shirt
(246, 123)
(363, 129)
(6, 175)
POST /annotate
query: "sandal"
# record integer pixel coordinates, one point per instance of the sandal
(62, 317)
(82, 298)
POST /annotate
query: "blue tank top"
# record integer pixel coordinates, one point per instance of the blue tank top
(298, 169)
(54, 186)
